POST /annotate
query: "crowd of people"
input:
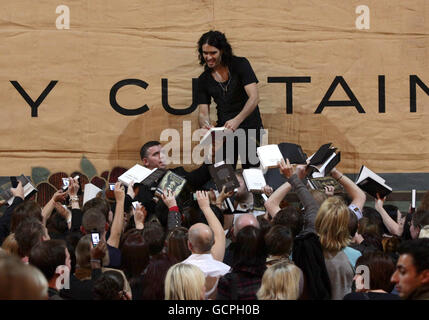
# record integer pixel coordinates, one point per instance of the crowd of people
(329, 246)
(156, 246)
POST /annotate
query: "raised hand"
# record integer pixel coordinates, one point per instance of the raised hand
(169, 198)
(203, 199)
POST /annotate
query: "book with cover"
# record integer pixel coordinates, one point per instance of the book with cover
(217, 132)
(324, 160)
(322, 182)
(269, 156)
(137, 174)
(254, 179)
(29, 188)
(90, 192)
(171, 181)
(293, 152)
(154, 178)
(372, 183)
(224, 175)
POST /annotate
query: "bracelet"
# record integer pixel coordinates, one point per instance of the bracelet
(95, 260)
(74, 198)
(340, 178)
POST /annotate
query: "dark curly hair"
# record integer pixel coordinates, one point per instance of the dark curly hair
(215, 39)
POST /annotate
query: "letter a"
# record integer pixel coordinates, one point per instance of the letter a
(362, 22)
(63, 21)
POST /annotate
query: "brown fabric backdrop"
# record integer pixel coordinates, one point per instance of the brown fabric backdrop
(109, 41)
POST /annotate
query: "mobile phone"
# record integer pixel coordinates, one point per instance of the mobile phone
(112, 186)
(95, 238)
(66, 183)
(135, 203)
(14, 182)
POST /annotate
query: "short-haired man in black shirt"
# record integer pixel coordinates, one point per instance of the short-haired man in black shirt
(231, 82)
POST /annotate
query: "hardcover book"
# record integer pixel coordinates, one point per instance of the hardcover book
(324, 160)
(372, 183)
(90, 192)
(171, 181)
(269, 156)
(29, 188)
(154, 178)
(254, 179)
(224, 175)
(137, 174)
(322, 182)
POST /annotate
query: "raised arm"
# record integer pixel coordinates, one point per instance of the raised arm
(294, 174)
(394, 227)
(356, 193)
(174, 218)
(50, 206)
(218, 248)
(6, 218)
(118, 220)
(272, 205)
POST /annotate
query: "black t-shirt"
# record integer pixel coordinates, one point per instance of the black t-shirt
(230, 103)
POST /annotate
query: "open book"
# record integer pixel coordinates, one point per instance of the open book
(217, 132)
(254, 179)
(224, 175)
(269, 156)
(323, 160)
(137, 174)
(372, 183)
(29, 188)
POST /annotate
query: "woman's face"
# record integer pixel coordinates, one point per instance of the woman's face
(211, 55)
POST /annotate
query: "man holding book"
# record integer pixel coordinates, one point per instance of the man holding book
(152, 158)
(232, 83)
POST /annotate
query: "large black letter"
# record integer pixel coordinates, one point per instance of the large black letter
(179, 112)
(34, 104)
(289, 81)
(114, 91)
(413, 96)
(381, 94)
(339, 103)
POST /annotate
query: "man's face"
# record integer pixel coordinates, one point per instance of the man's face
(154, 158)
(211, 55)
(406, 277)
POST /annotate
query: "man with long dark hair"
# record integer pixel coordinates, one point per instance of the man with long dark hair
(231, 82)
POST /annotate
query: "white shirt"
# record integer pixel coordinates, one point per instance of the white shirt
(208, 265)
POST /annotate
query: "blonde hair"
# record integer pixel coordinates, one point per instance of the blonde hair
(184, 282)
(281, 281)
(19, 281)
(10, 245)
(332, 224)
